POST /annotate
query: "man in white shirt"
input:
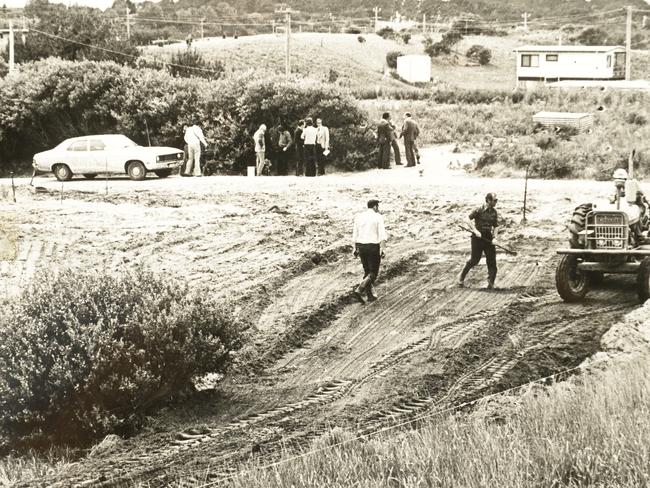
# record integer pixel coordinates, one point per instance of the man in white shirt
(369, 236)
(194, 138)
(322, 145)
(309, 135)
(260, 149)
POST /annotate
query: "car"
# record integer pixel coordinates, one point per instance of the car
(107, 154)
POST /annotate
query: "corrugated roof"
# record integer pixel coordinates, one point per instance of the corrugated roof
(569, 49)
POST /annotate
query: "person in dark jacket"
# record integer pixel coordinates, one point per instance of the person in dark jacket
(393, 143)
(410, 133)
(300, 148)
(284, 143)
(384, 135)
(484, 225)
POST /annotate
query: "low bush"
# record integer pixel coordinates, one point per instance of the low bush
(386, 33)
(406, 37)
(479, 54)
(391, 58)
(84, 353)
(353, 29)
(190, 62)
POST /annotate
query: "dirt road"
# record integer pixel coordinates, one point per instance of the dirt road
(280, 249)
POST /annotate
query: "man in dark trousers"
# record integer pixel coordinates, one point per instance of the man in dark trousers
(483, 222)
(384, 135)
(308, 137)
(410, 132)
(300, 148)
(393, 143)
(369, 236)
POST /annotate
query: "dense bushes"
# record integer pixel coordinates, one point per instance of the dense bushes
(51, 100)
(190, 62)
(479, 54)
(84, 353)
(391, 58)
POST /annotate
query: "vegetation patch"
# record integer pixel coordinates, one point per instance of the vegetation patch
(87, 353)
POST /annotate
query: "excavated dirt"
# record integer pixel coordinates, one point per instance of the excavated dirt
(280, 250)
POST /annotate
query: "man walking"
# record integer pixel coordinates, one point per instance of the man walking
(194, 138)
(369, 236)
(309, 138)
(383, 141)
(483, 222)
(410, 132)
(260, 149)
(300, 148)
(322, 145)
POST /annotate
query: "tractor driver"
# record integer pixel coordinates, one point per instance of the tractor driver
(620, 177)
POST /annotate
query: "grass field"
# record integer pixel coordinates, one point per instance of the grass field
(362, 65)
(590, 432)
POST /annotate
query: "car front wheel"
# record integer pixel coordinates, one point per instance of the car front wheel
(62, 172)
(136, 170)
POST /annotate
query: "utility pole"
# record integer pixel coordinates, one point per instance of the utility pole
(424, 23)
(202, 20)
(128, 23)
(287, 28)
(12, 62)
(628, 43)
(643, 23)
(525, 16)
(376, 10)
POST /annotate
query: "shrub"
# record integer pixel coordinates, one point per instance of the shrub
(635, 118)
(444, 46)
(52, 100)
(84, 353)
(391, 58)
(596, 36)
(386, 33)
(479, 54)
(190, 62)
(361, 39)
(353, 29)
(406, 37)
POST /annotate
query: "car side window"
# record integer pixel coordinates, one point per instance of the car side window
(97, 145)
(78, 146)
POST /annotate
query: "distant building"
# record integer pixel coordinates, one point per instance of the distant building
(543, 64)
(414, 68)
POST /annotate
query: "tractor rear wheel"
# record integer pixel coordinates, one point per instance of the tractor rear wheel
(571, 283)
(643, 280)
(577, 225)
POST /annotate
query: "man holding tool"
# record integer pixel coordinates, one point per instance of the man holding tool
(483, 224)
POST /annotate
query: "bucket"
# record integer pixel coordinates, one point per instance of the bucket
(250, 171)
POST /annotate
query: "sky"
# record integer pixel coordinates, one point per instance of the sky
(103, 4)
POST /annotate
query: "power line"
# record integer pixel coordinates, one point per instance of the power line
(120, 53)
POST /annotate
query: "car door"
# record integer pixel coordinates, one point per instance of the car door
(97, 161)
(77, 155)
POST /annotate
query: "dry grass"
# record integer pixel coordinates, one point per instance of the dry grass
(15, 469)
(591, 431)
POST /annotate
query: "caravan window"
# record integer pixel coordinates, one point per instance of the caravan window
(529, 60)
(551, 57)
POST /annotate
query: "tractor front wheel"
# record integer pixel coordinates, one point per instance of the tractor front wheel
(571, 283)
(643, 280)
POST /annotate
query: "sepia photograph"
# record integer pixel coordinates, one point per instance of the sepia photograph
(325, 244)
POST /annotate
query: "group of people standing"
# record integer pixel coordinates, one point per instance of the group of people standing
(387, 138)
(309, 144)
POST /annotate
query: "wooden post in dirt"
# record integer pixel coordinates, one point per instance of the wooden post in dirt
(628, 43)
(630, 165)
(13, 187)
(523, 220)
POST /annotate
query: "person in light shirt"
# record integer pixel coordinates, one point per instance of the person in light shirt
(369, 236)
(322, 145)
(309, 137)
(194, 138)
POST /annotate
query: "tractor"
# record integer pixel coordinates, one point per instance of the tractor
(607, 237)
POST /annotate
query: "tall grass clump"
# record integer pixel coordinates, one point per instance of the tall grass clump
(589, 432)
(84, 353)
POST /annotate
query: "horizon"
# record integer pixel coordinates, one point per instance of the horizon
(100, 4)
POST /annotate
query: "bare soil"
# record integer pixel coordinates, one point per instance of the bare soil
(280, 248)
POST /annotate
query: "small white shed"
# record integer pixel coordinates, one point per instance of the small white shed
(414, 68)
(556, 63)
